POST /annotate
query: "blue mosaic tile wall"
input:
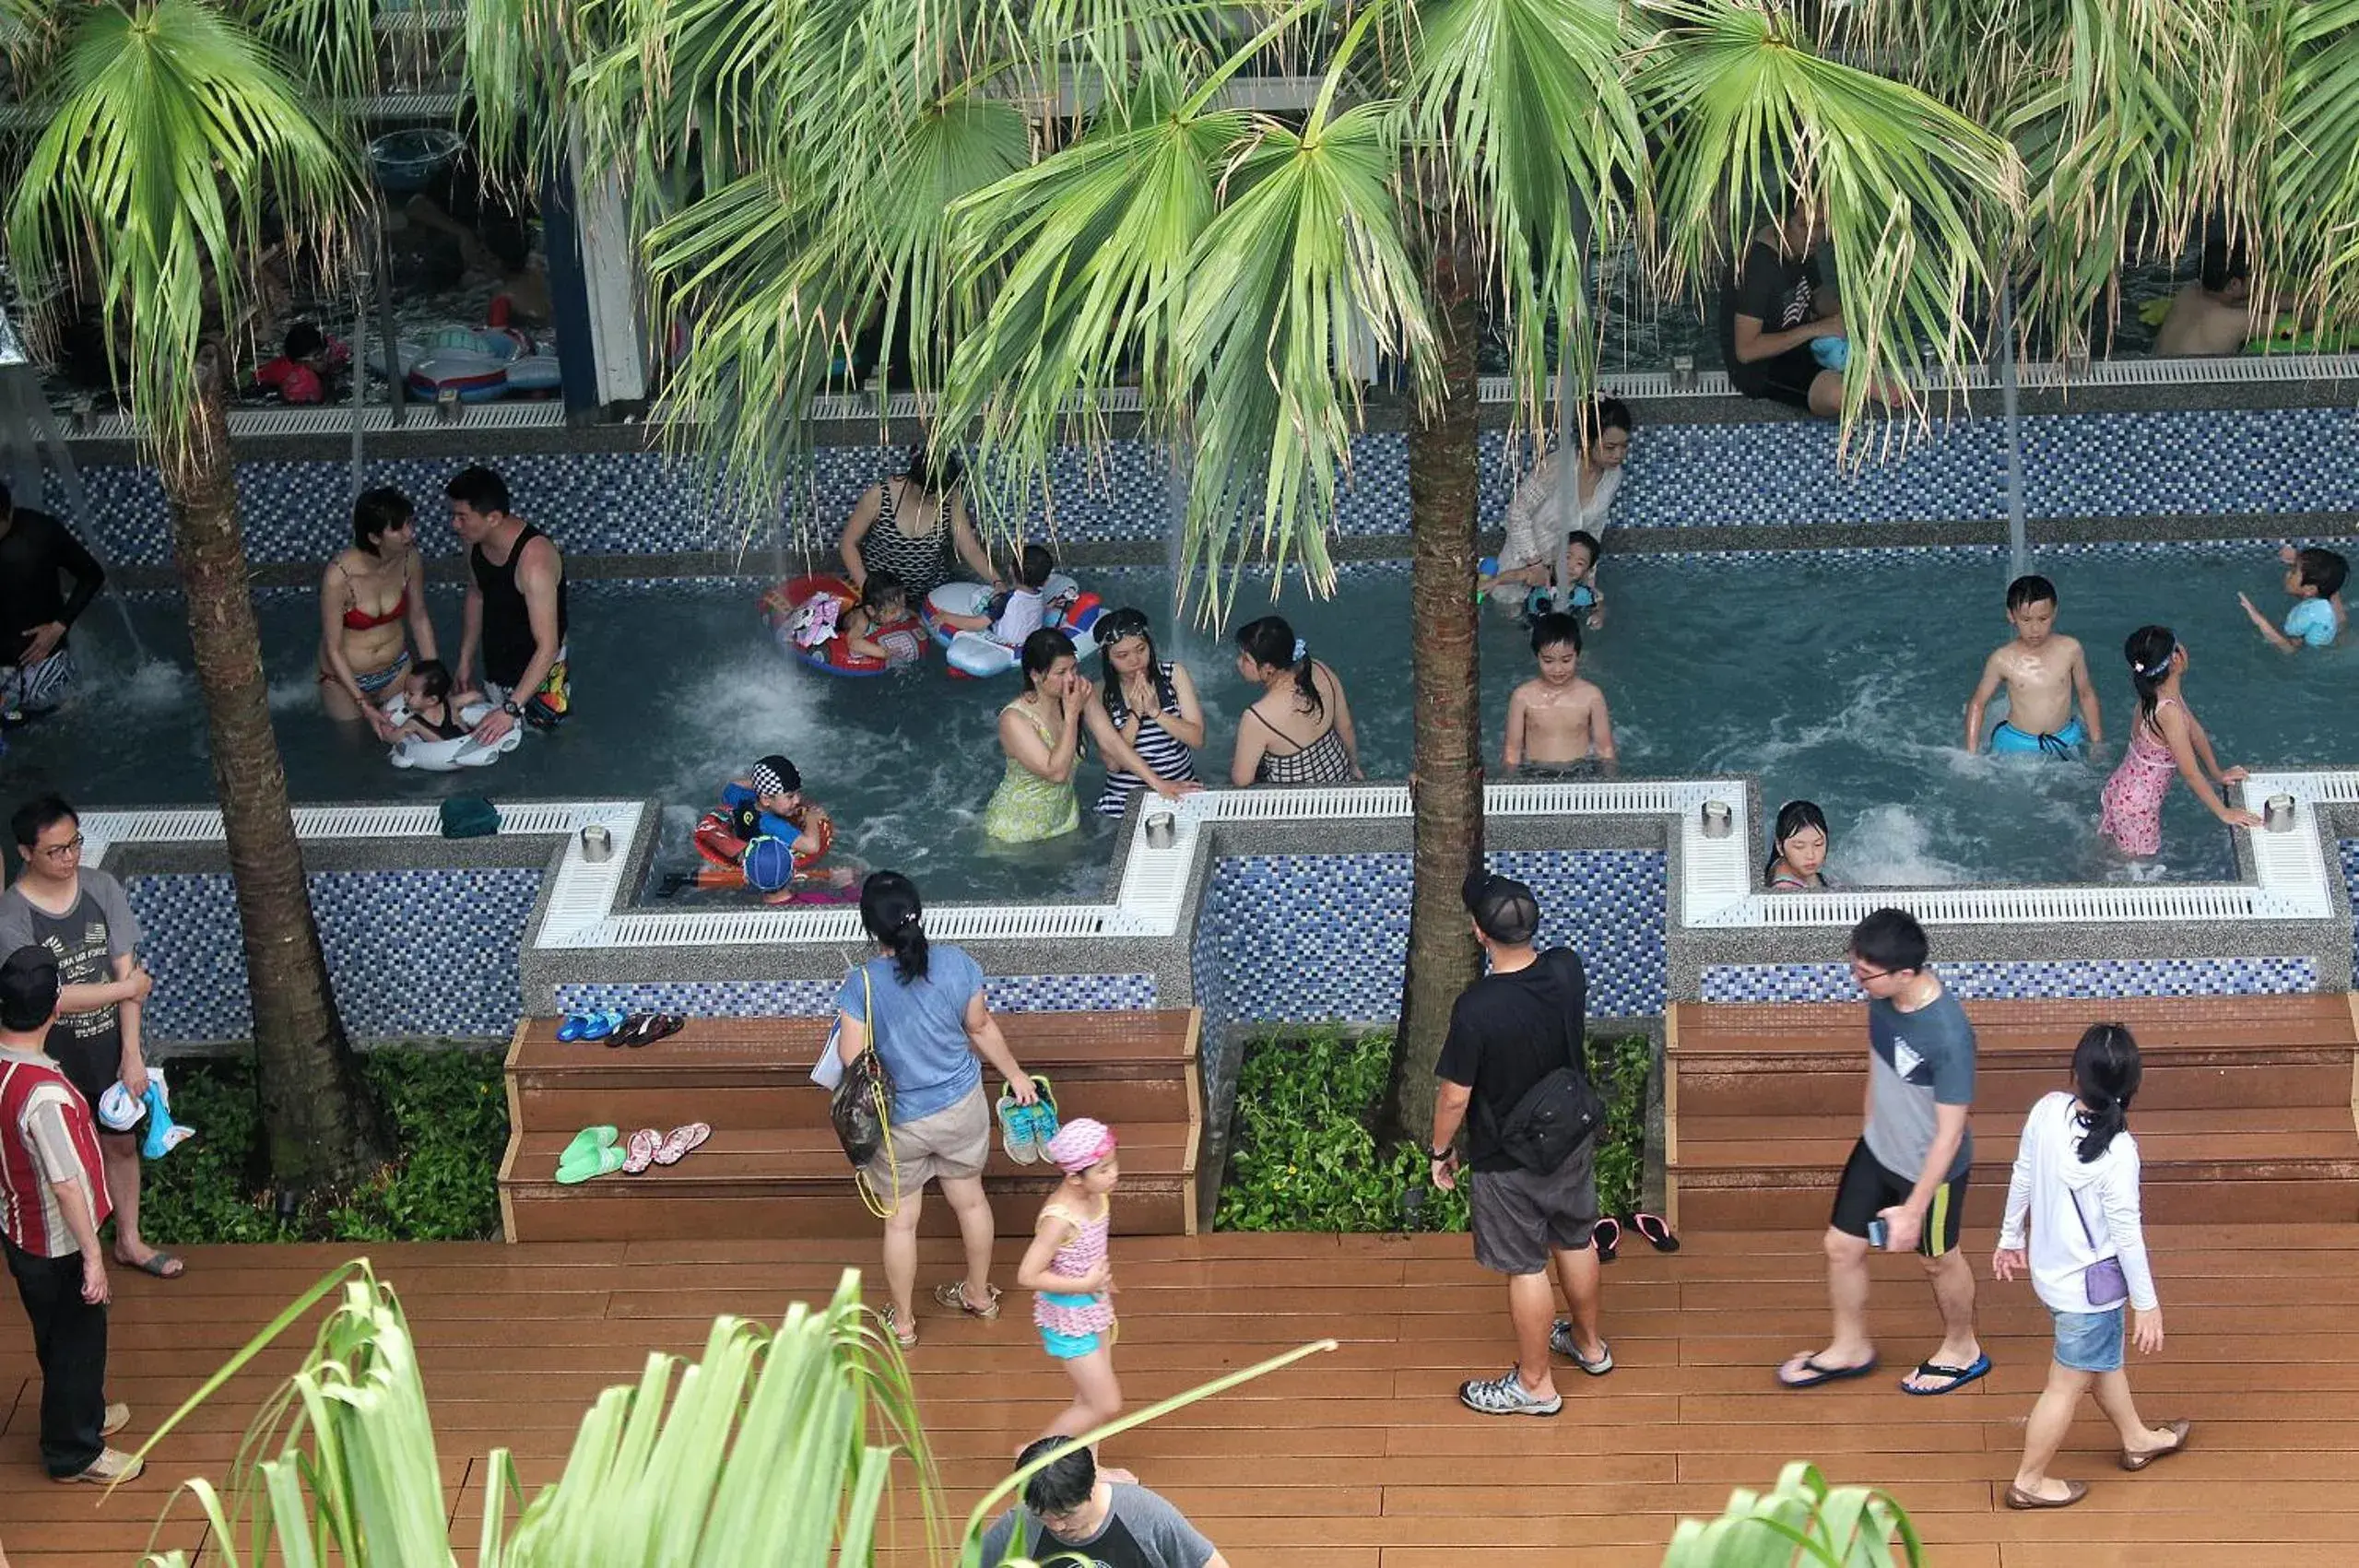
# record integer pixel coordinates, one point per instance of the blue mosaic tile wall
(807, 998)
(410, 952)
(2206, 462)
(1972, 980)
(1304, 938)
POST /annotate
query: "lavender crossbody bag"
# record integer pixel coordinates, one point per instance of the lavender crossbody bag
(2104, 1280)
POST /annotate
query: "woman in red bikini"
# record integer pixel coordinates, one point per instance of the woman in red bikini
(372, 612)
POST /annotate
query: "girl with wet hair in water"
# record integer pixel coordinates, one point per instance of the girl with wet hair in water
(2075, 1186)
(1798, 850)
(2165, 738)
(1298, 730)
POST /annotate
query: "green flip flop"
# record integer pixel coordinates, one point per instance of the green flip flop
(586, 1143)
(607, 1160)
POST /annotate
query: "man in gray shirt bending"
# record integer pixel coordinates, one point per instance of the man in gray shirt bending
(1905, 1182)
(1073, 1511)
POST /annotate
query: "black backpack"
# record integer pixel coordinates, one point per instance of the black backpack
(1557, 1114)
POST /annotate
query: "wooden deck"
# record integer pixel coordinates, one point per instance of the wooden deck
(1362, 1459)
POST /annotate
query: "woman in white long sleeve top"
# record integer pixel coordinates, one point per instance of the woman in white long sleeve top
(2076, 1183)
(1540, 518)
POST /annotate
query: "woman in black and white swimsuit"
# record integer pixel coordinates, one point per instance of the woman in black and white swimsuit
(1150, 722)
(915, 526)
(1298, 731)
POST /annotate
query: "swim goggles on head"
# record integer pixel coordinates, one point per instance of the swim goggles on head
(2155, 671)
(1119, 625)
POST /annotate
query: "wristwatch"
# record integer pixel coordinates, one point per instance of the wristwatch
(1443, 1155)
(510, 708)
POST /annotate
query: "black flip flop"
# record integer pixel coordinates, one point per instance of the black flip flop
(1819, 1374)
(633, 1031)
(1959, 1376)
(662, 1026)
(1606, 1236)
(1656, 1229)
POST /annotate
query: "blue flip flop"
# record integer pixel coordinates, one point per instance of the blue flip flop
(1818, 1375)
(570, 1030)
(599, 1025)
(1959, 1376)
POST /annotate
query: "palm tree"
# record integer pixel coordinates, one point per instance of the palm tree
(165, 134)
(1043, 196)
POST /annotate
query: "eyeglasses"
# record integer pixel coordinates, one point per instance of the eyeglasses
(1860, 971)
(65, 851)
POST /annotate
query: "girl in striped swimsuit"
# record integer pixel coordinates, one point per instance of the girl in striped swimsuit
(1149, 719)
(1071, 1280)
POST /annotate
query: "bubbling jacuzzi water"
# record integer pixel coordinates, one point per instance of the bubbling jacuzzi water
(1839, 677)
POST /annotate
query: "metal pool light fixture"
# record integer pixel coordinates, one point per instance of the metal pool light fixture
(1716, 820)
(2277, 814)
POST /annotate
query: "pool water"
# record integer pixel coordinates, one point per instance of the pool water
(1840, 678)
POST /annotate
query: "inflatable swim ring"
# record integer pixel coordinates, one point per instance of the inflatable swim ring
(1068, 609)
(803, 612)
(444, 756)
(763, 863)
(479, 366)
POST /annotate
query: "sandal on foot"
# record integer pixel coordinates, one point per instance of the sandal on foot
(1817, 1373)
(682, 1142)
(953, 1295)
(1959, 1376)
(2178, 1430)
(904, 1334)
(1606, 1236)
(1560, 1340)
(1506, 1397)
(2024, 1502)
(158, 1265)
(1656, 1229)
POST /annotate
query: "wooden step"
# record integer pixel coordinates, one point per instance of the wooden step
(772, 1166)
(772, 1182)
(757, 1072)
(2043, 1025)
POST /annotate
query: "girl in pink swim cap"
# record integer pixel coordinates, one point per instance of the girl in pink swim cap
(1072, 1282)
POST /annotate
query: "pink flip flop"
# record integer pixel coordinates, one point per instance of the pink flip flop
(643, 1147)
(682, 1140)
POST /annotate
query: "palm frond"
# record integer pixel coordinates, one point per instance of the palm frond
(170, 136)
(1920, 202)
(1527, 107)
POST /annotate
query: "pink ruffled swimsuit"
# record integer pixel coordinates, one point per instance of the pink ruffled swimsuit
(2132, 803)
(1059, 1312)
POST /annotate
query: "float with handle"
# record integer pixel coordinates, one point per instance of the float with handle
(804, 613)
(447, 756)
(1066, 608)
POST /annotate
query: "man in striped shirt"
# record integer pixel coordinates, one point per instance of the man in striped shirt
(53, 1198)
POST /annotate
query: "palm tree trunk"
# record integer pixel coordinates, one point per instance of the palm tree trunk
(320, 1123)
(1446, 780)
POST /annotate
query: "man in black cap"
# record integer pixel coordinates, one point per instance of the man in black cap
(1514, 1073)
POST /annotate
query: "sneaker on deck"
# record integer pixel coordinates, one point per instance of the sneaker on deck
(1506, 1395)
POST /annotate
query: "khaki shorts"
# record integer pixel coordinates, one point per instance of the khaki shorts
(948, 1145)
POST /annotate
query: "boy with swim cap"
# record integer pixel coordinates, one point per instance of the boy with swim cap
(784, 834)
(2315, 581)
(2045, 673)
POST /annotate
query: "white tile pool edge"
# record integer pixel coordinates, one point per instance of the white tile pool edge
(2294, 878)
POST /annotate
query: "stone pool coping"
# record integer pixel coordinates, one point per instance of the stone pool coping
(589, 925)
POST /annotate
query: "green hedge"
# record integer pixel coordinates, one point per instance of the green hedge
(449, 1121)
(1305, 1159)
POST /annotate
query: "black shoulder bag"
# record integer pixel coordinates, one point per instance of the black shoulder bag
(1556, 1114)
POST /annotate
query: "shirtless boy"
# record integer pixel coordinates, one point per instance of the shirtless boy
(2044, 671)
(1558, 720)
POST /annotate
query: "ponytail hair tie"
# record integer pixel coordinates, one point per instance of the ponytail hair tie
(906, 921)
(1300, 648)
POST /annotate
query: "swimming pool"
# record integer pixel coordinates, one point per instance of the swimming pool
(1839, 676)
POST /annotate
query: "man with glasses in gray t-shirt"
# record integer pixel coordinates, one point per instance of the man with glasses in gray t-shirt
(1904, 1183)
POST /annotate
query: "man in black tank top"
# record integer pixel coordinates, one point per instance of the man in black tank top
(515, 607)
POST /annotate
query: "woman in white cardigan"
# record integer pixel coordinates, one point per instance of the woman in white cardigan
(1541, 516)
(2076, 1181)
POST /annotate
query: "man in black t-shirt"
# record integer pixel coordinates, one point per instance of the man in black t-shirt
(1520, 1022)
(36, 551)
(1778, 335)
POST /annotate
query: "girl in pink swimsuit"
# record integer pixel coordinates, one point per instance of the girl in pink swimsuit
(2167, 740)
(1067, 1271)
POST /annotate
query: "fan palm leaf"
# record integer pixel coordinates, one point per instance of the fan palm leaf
(171, 134)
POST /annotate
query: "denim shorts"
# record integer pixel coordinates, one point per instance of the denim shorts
(2089, 1341)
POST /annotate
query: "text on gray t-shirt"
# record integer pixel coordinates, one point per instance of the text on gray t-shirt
(84, 940)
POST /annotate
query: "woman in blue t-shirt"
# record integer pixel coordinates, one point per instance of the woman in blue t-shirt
(929, 1024)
